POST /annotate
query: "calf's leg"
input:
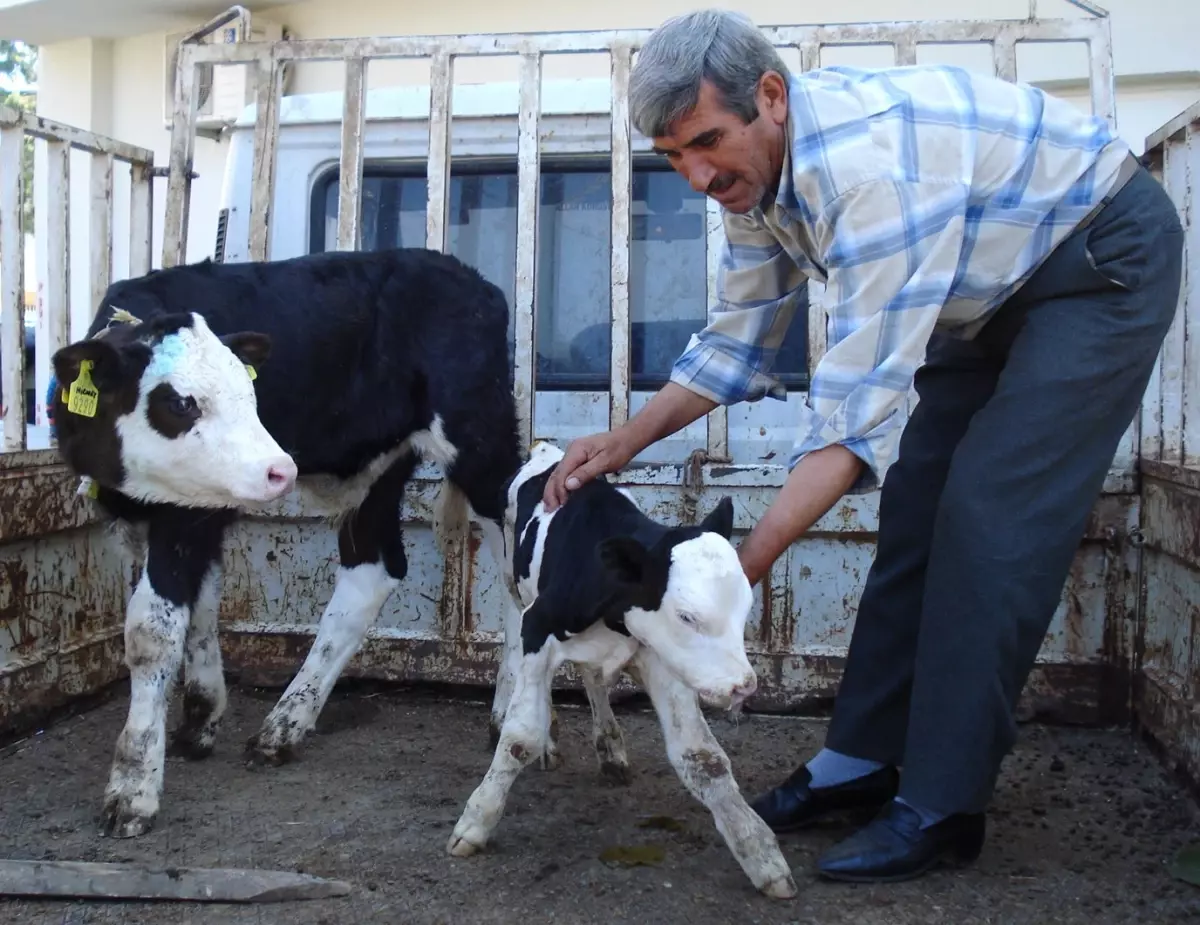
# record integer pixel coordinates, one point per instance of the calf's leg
(183, 548)
(373, 564)
(607, 737)
(522, 740)
(483, 481)
(204, 696)
(704, 768)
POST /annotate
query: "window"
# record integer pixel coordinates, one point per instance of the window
(667, 262)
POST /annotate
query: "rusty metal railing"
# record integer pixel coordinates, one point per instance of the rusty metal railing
(1170, 421)
(105, 152)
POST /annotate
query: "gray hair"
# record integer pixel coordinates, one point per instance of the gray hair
(723, 47)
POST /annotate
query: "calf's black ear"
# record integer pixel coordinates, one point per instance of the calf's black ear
(624, 558)
(721, 519)
(105, 360)
(250, 347)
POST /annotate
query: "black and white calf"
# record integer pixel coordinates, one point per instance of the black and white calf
(169, 408)
(610, 590)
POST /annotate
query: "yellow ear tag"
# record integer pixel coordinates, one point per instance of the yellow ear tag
(93, 491)
(252, 371)
(84, 397)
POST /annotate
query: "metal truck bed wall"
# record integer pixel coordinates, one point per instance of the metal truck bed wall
(1120, 643)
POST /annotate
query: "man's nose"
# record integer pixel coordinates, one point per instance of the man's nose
(701, 176)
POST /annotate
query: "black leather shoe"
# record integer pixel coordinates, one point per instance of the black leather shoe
(895, 847)
(795, 804)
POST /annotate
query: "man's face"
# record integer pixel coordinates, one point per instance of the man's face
(735, 163)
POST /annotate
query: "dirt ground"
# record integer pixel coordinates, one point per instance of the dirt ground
(1082, 828)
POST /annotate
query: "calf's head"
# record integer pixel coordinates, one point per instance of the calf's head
(165, 411)
(690, 604)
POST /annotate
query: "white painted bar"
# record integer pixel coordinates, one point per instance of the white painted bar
(350, 173)
(1190, 304)
(622, 191)
(528, 197)
(12, 281)
(179, 176)
(58, 247)
(266, 135)
(441, 80)
(101, 226)
(141, 218)
(602, 41)
(718, 418)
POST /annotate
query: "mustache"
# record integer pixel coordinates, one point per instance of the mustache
(721, 183)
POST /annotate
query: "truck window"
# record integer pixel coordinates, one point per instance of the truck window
(668, 259)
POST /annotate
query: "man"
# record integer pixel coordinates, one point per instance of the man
(1013, 246)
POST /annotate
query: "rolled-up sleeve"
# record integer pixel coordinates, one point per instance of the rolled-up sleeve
(758, 288)
(892, 251)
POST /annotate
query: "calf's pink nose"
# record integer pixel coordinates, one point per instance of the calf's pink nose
(281, 476)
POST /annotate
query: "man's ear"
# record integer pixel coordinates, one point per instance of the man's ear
(624, 558)
(250, 347)
(106, 363)
(721, 519)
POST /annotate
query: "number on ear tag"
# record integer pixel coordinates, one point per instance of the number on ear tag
(84, 397)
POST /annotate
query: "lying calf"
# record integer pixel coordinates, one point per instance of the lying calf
(607, 588)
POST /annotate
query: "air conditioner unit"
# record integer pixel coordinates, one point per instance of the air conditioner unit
(222, 90)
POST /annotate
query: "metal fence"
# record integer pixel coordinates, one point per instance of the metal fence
(268, 59)
(446, 630)
(105, 152)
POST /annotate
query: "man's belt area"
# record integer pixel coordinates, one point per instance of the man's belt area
(1130, 166)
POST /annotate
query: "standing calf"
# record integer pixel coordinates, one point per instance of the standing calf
(169, 408)
(605, 587)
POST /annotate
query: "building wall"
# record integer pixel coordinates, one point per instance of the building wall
(117, 86)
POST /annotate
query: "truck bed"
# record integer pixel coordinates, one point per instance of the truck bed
(1082, 829)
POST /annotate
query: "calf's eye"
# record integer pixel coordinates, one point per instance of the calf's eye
(182, 405)
(687, 618)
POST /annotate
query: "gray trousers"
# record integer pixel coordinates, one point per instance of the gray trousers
(984, 509)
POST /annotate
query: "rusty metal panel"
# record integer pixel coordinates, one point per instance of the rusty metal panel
(1167, 662)
(62, 604)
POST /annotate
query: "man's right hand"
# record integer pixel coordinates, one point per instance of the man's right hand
(585, 459)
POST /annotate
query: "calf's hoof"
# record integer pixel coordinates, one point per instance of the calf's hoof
(780, 888)
(258, 754)
(119, 819)
(616, 773)
(190, 744)
(550, 758)
(465, 841)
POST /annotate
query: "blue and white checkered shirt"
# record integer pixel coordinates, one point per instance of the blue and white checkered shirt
(922, 197)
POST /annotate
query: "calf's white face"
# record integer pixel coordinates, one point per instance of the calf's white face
(698, 627)
(176, 415)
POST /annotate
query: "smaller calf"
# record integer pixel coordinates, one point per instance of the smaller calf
(605, 587)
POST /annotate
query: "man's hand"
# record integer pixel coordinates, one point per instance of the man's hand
(671, 409)
(585, 459)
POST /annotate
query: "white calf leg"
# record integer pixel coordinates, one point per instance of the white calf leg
(357, 598)
(607, 737)
(510, 654)
(154, 635)
(522, 740)
(204, 696)
(704, 768)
